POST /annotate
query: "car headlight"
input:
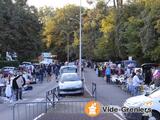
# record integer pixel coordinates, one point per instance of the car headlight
(60, 85)
(148, 104)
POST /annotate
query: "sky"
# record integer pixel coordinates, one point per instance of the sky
(57, 3)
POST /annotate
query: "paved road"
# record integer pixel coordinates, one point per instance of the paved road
(38, 94)
(107, 94)
(35, 95)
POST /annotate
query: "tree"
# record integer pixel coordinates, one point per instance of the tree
(19, 29)
(57, 28)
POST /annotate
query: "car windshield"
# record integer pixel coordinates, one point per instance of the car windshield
(8, 68)
(132, 63)
(69, 77)
(69, 70)
(155, 94)
(71, 63)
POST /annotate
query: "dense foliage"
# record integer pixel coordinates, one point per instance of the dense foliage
(108, 32)
(130, 29)
(19, 29)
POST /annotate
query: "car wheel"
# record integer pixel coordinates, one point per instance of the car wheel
(155, 116)
(82, 92)
(58, 91)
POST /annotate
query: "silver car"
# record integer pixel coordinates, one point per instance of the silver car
(70, 83)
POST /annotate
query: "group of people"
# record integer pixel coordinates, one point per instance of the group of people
(133, 77)
(107, 70)
(15, 83)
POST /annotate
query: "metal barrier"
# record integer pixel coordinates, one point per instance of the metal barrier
(68, 110)
(29, 110)
(32, 110)
(94, 90)
(52, 96)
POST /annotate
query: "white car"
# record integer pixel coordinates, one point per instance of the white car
(149, 100)
(68, 69)
(6, 70)
(26, 64)
(70, 83)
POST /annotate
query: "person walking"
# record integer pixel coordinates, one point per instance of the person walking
(49, 70)
(41, 74)
(108, 73)
(37, 70)
(56, 69)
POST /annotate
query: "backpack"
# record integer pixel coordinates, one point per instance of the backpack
(24, 81)
(14, 84)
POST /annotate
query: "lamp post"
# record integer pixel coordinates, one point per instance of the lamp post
(80, 40)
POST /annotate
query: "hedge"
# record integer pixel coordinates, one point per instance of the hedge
(9, 63)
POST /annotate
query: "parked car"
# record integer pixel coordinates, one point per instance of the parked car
(70, 83)
(126, 63)
(148, 100)
(26, 63)
(68, 69)
(6, 70)
(71, 64)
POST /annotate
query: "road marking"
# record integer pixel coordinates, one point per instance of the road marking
(86, 86)
(38, 100)
(118, 116)
(39, 116)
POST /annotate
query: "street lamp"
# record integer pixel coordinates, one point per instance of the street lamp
(80, 40)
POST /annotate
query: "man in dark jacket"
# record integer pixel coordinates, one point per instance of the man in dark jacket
(17, 84)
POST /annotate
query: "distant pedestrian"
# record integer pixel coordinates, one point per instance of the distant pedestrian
(108, 73)
(56, 70)
(137, 82)
(37, 70)
(41, 74)
(17, 84)
(49, 74)
(8, 90)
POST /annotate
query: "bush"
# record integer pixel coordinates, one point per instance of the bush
(9, 63)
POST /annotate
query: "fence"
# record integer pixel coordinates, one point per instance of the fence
(52, 106)
(94, 91)
(52, 96)
(29, 110)
(68, 110)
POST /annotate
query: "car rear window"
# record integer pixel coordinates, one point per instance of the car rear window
(69, 77)
(69, 70)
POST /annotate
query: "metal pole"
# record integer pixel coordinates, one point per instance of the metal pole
(68, 47)
(80, 41)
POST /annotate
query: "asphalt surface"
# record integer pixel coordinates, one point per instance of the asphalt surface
(36, 95)
(107, 94)
(66, 109)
